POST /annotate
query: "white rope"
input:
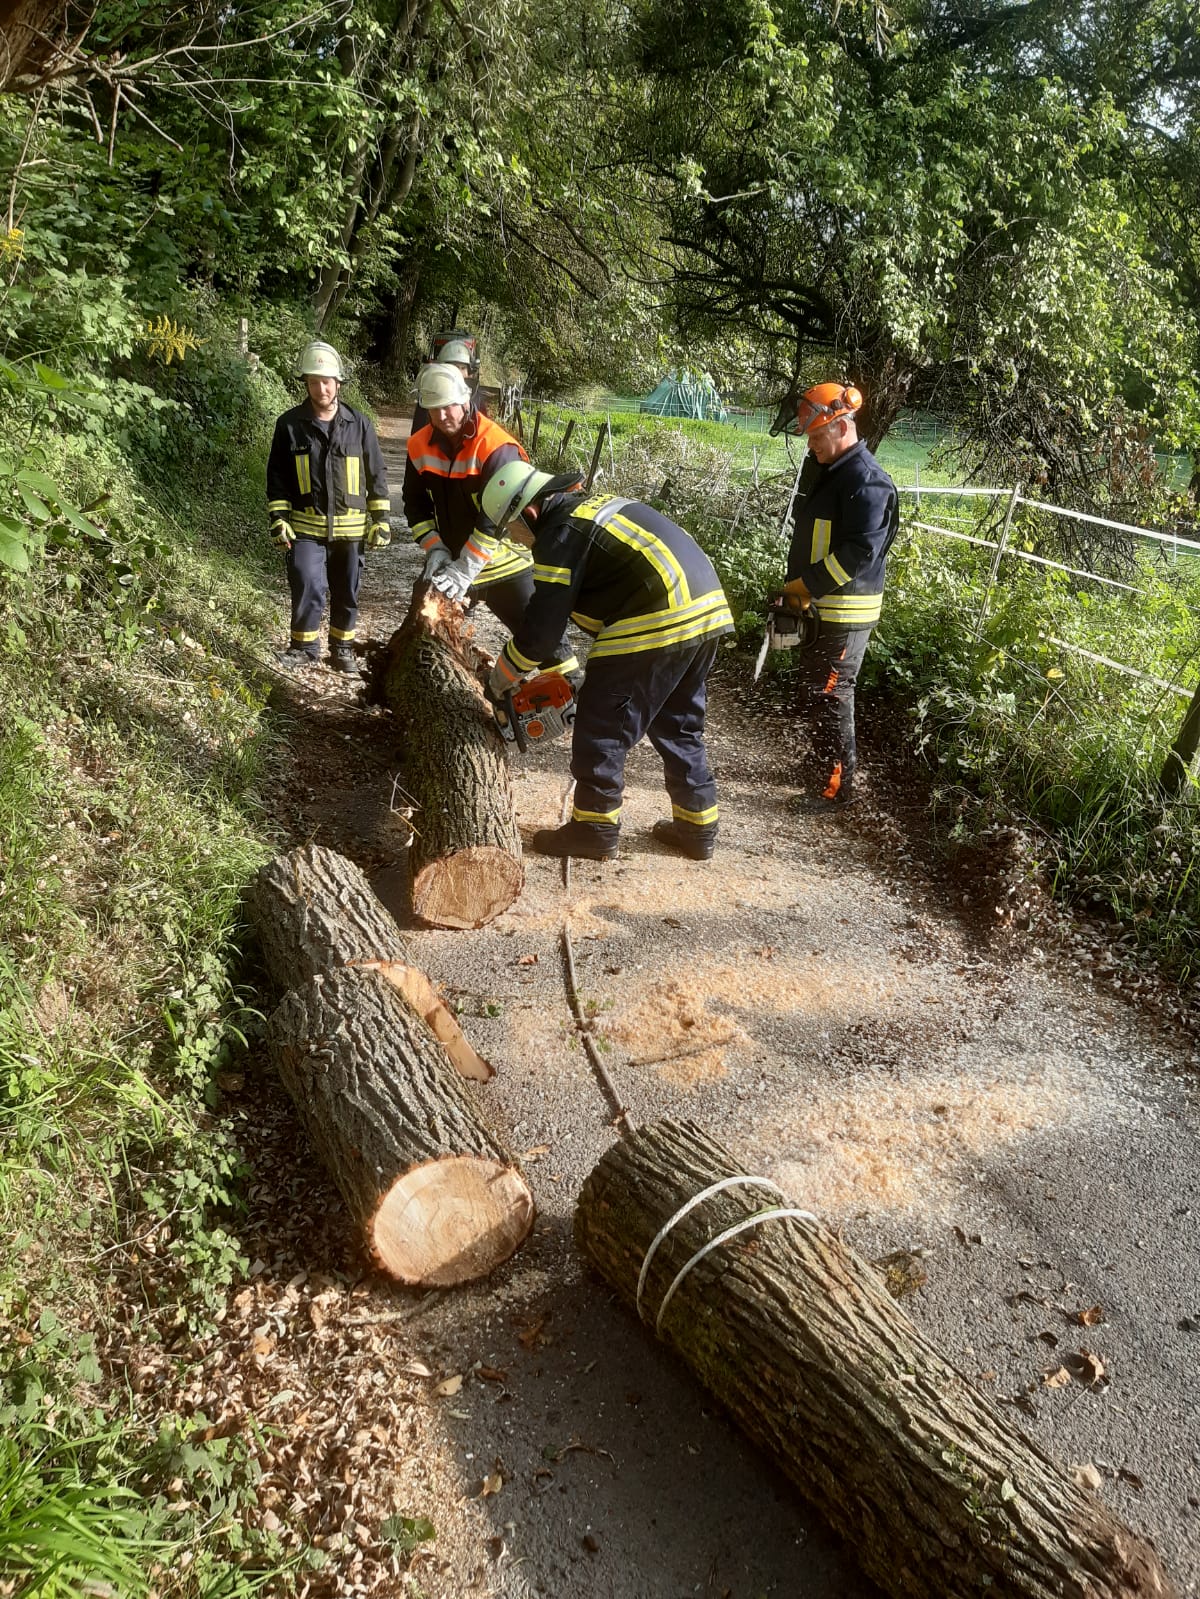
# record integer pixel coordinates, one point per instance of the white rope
(1027, 555)
(698, 1199)
(778, 1214)
(1173, 539)
(1118, 666)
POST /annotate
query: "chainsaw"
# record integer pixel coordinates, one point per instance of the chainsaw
(536, 711)
(791, 625)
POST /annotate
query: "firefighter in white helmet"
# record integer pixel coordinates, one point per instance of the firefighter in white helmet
(327, 498)
(649, 596)
(457, 348)
(450, 462)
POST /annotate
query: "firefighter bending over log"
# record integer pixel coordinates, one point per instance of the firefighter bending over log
(450, 462)
(650, 598)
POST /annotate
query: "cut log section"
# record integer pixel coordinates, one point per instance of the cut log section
(934, 1490)
(316, 912)
(465, 855)
(439, 1198)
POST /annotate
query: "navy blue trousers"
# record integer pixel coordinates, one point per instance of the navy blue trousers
(829, 671)
(656, 694)
(324, 572)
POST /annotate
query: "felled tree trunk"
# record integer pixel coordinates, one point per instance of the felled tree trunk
(466, 864)
(317, 912)
(797, 1337)
(439, 1198)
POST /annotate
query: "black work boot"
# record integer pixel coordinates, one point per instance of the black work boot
(695, 841)
(588, 841)
(341, 659)
(297, 658)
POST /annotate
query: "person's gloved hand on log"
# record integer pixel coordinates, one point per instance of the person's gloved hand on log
(455, 579)
(437, 558)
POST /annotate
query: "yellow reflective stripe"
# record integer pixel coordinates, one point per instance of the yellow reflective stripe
(379, 505)
(551, 574)
(336, 632)
(836, 570)
(509, 668)
(589, 624)
(822, 537)
(565, 668)
(659, 638)
(305, 638)
(279, 505)
(304, 474)
(523, 662)
(850, 608)
(426, 535)
(506, 564)
(713, 601)
(344, 521)
(657, 553)
(612, 817)
(697, 818)
(353, 473)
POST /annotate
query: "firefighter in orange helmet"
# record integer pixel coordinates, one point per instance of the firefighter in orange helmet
(841, 533)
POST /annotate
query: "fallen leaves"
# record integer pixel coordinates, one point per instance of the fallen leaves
(449, 1387)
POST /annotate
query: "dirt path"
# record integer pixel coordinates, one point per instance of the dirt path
(811, 996)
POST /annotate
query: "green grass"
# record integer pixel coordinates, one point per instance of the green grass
(132, 738)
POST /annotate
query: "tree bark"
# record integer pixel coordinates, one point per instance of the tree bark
(439, 1198)
(316, 912)
(796, 1335)
(466, 865)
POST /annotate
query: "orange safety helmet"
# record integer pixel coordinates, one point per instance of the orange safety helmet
(826, 402)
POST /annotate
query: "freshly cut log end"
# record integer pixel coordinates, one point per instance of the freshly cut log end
(437, 1196)
(467, 889)
(465, 855)
(316, 912)
(451, 1222)
(935, 1491)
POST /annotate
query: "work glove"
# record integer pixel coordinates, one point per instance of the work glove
(282, 535)
(438, 557)
(379, 536)
(501, 681)
(455, 579)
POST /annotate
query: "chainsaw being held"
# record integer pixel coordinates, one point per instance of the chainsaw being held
(791, 624)
(537, 711)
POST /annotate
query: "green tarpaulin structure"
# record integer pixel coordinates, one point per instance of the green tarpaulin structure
(692, 394)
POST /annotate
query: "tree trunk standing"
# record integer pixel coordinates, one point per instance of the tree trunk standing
(466, 865)
(31, 33)
(439, 1198)
(398, 336)
(316, 912)
(797, 1337)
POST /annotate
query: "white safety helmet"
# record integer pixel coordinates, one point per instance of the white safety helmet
(508, 491)
(438, 384)
(320, 360)
(456, 352)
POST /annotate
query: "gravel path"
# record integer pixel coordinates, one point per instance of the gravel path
(818, 999)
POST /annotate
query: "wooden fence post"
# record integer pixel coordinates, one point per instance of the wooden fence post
(537, 428)
(566, 438)
(591, 477)
(1178, 766)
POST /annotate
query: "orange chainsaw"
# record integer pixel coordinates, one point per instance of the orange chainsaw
(536, 711)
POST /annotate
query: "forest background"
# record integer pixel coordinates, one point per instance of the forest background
(985, 214)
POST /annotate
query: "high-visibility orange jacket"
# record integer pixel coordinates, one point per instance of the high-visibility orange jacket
(443, 482)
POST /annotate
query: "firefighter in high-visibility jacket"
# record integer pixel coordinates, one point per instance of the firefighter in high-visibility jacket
(842, 531)
(651, 600)
(327, 496)
(450, 462)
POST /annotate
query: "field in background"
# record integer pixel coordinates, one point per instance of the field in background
(911, 452)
